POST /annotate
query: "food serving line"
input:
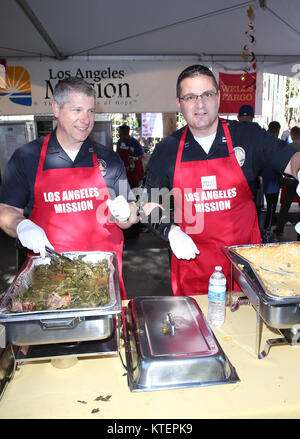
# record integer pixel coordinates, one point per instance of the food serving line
(165, 363)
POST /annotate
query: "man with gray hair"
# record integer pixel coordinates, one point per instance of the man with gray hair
(66, 182)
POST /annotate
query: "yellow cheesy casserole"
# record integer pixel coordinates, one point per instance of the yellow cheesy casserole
(278, 266)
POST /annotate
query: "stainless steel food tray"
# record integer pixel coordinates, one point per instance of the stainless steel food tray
(169, 345)
(277, 311)
(58, 326)
(280, 313)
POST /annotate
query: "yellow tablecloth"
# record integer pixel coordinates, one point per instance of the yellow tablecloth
(268, 388)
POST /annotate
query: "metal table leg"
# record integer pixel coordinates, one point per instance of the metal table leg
(259, 326)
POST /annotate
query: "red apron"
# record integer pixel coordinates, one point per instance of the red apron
(70, 205)
(125, 154)
(137, 174)
(134, 168)
(214, 205)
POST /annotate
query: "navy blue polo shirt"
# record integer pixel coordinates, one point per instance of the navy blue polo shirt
(258, 148)
(134, 145)
(17, 187)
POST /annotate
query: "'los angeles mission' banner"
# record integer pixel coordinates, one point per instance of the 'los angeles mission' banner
(121, 86)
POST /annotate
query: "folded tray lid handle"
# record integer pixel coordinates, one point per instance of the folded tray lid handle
(170, 324)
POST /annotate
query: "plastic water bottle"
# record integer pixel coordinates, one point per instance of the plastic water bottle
(216, 297)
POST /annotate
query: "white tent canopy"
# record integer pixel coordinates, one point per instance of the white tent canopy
(212, 31)
(138, 46)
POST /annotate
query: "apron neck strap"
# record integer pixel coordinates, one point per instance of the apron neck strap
(44, 150)
(227, 135)
(181, 145)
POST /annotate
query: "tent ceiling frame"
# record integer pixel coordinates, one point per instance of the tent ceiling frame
(209, 57)
(168, 26)
(41, 30)
(204, 57)
(262, 5)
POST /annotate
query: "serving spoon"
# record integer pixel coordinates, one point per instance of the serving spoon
(54, 253)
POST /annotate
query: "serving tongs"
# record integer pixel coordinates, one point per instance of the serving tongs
(54, 253)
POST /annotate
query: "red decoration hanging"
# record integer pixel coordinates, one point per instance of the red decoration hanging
(248, 54)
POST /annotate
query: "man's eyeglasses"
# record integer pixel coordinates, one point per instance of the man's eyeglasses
(206, 96)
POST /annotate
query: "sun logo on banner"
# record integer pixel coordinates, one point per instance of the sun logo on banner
(16, 85)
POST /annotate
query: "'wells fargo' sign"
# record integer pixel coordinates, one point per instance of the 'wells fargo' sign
(236, 90)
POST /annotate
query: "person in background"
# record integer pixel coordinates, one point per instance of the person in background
(132, 153)
(211, 166)
(290, 184)
(286, 135)
(271, 188)
(295, 135)
(246, 113)
(66, 182)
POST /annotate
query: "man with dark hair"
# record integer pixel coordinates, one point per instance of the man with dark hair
(271, 188)
(274, 128)
(211, 166)
(131, 152)
(295, 135)
(246, 113)
(193, 71)
(66, 182)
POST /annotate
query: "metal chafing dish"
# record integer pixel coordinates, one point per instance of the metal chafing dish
(61, 326)
(281, 313)
(168, 344)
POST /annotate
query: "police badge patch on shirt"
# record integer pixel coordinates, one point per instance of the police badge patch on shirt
(240, 155)
(102, 166)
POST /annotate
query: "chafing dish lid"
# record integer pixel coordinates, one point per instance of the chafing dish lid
(171, 327)
(168, 344)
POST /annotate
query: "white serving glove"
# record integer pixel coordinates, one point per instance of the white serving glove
(33, 237)
(182, 244)
(297, 226)
(119, 208)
